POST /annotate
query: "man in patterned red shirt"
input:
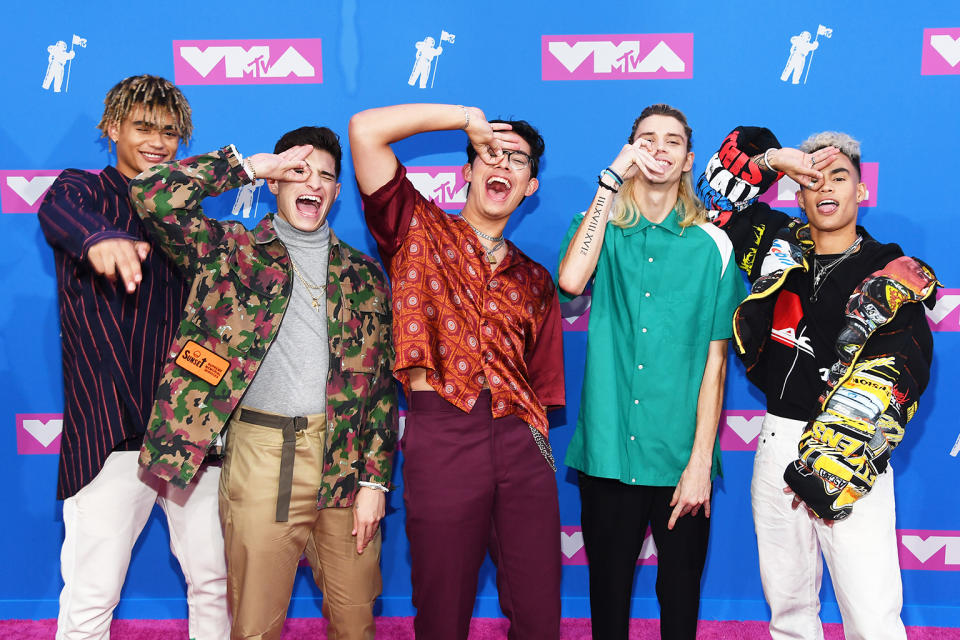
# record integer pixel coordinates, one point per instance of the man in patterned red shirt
(480, 356)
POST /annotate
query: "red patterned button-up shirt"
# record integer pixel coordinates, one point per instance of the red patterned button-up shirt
(467, 325)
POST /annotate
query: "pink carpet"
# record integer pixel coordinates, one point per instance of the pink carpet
(402, 629)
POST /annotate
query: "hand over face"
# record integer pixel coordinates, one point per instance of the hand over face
(806, 169)
(287, 166)
(491, 139)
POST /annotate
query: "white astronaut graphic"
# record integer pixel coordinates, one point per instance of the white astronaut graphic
(57, 58)
(800, 48)
(244, 205)
(55, 62)
(426, 53)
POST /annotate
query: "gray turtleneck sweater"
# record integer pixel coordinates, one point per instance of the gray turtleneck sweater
(292, 379)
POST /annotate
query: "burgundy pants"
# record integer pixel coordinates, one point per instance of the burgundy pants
(474, 484)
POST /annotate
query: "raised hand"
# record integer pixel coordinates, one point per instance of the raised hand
(637, 157)
(490, 139)
(806, 169)
(287, 166)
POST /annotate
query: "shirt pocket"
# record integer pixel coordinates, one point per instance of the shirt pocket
(688, 316)
(363, 322)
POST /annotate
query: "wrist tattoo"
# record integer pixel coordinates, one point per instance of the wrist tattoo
(593, 224)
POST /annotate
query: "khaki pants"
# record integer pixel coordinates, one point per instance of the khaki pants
(262, 554)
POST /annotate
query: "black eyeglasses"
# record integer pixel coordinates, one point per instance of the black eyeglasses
(517, 159)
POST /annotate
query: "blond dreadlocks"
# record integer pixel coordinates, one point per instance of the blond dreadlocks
(158, 96)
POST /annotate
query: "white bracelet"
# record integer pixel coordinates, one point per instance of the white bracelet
(466, 117)
(766, 160)
(373, 485)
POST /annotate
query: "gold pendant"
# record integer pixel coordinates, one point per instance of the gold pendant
(316, 304)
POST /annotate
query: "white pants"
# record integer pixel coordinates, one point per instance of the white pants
(861, 551)
(103, 521)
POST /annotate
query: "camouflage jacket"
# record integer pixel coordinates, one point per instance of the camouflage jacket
(240, 286)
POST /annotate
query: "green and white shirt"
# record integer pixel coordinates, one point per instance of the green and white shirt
(661, 294)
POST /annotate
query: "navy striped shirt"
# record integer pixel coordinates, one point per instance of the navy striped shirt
(114, 343)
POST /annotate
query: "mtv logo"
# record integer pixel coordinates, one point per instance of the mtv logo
(22, 191)
(285, 61)
(576, 313)
(784, 193)
(39, 433)
(444, 186)
(640, 56)
(739, 429)
(929, 550)
(572, 551)
(941, 52)
(945, 315)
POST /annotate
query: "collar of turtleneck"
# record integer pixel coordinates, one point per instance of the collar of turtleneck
(294, 238)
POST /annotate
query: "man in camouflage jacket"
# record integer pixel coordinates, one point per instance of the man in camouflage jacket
(244, 284)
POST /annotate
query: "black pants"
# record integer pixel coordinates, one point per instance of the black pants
(614, 519)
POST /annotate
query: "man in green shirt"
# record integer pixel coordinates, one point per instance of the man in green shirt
(665, 287)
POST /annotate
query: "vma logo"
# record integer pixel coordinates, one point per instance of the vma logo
(929, 550)
(22, 191)
(945, 315)
(785, 194)
(39, 433)
(739, 429)
(573, 553)
(641, 56)
(292, 61)
(941, 52)
(444, 186)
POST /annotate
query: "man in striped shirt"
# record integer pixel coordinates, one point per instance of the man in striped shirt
(120, 305)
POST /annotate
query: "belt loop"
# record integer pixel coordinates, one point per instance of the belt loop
(286, 469)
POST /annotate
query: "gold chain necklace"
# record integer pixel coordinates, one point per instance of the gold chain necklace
(308, 286)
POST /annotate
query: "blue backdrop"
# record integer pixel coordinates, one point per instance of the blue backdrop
(887, 73)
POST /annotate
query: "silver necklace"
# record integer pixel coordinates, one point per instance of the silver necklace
(497, 241)
(820, 272)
